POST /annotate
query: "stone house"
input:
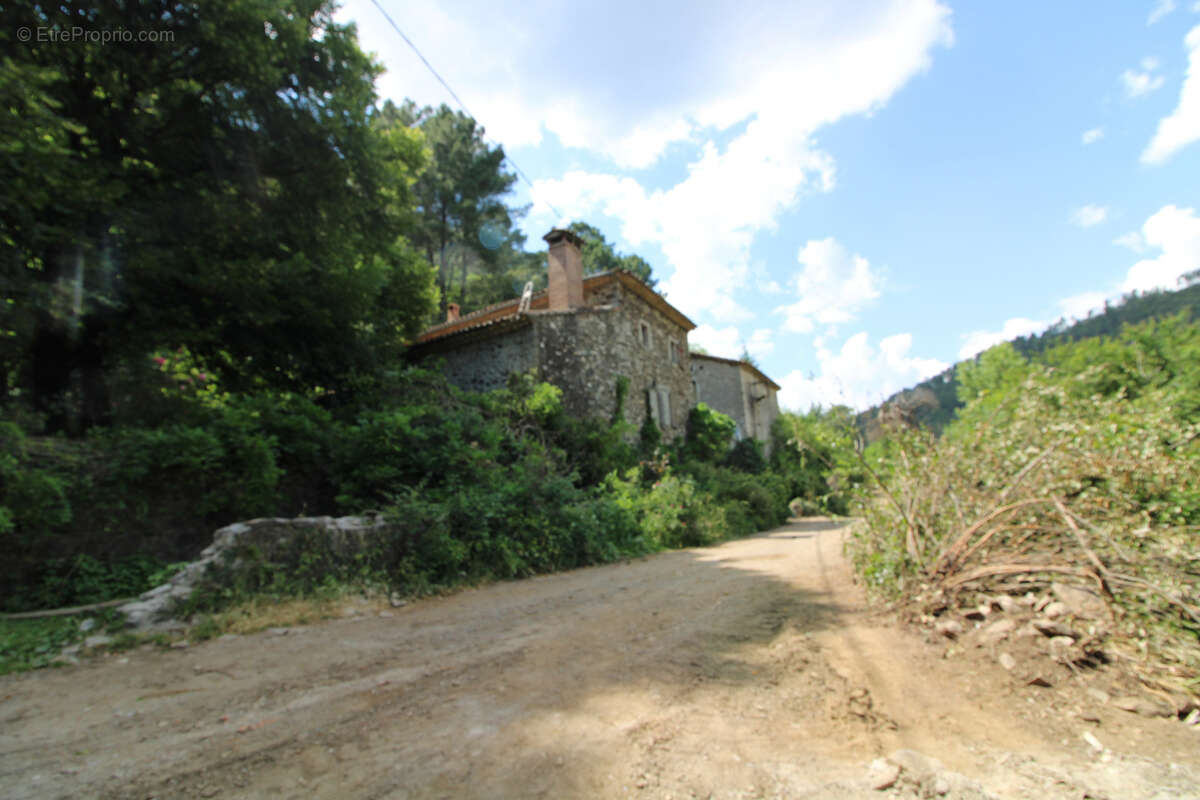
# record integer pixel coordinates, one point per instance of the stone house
(582, 334)
(740, 390)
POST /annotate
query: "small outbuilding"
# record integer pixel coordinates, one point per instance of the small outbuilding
(739, 389)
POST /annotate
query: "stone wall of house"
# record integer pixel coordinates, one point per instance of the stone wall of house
(766, 411)
(486, 363)
(732, 389)
(719, 386)
(585, 350)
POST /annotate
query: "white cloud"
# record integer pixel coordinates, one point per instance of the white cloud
(1077, 306)
(858, 375)
(796, 73)
(978, 341)
(1143, 81)
(1160, 10)
(1182, 126)
(832, 287)
(722, 342)
(728, 342)
(1176, 233)
(1093, 135)
(761, 343)
(1089, 215)
(1132, 241)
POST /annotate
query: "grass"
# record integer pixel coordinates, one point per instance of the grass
(33, 643)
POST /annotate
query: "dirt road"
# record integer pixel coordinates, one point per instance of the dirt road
(753, 669)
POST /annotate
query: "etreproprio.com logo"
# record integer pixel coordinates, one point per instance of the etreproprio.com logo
(78, 34)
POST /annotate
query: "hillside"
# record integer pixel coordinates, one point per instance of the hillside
(933, 402)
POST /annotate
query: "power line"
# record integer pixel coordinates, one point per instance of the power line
(461, 104)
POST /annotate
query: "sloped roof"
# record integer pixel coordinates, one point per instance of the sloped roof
(736, 362)
(488, 316)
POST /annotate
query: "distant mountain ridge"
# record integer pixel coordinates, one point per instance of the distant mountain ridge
(933, 402)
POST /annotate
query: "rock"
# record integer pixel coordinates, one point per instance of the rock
(950, 628)
(397, 601)
(346, 535)
(1055, 610)
(386, 614)
(1099, 695)
(1027, 632)
(87, 624)
(1005, 603)
(1038, 680)
(182, 644)
(1193, 718)
(996, 631)
(941, 786)
(1041, 603)
(919, 765)
(279, 631)
(1138, 705)
(1007, 661)
(977, 614)
(350, 611)
(882, 774)
(1093, 741)
(99, 640)
(1048, 628)
(1061, 643)
(1080, 602)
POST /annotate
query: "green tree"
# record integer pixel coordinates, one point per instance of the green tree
(464, 223)
(600, 256)
(220, 188)
(996, 371)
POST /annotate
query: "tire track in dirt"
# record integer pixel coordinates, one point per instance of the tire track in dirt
(753, 669)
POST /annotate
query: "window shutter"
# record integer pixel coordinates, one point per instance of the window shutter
(664, 407)
(652, 404)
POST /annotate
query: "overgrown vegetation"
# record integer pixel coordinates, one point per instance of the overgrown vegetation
(934, 402)
(1078, 466)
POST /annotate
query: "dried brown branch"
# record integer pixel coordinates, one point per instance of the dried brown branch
(953, 554)
(1013, 569)
(1101, 570)
(1163, 593)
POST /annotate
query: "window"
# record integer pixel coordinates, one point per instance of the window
(673, 349)
(658, 403)
(645, 335)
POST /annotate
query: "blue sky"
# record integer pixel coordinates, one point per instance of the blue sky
(858, 192)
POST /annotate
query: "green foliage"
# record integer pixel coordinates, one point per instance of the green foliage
(1132, 309)
(600, 256)
(204, 192)
(709, 434)
(464, 227)
(1107, 428)
(816, 453)
(747, 456)
(34, 643)
(995, 371)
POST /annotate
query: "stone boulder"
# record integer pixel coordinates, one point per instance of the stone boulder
(343, 537)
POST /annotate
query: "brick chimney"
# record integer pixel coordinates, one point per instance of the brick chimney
(566, 270)
(452, 312)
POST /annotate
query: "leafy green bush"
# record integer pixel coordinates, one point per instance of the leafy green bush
(747, 456)
(709, 434)
(1081, 464)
